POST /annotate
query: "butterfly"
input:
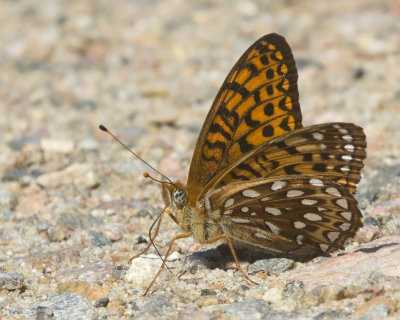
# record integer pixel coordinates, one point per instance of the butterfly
(257, 177)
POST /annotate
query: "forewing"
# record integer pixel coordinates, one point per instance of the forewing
(257, 102)
(333, 150)
(297, 216)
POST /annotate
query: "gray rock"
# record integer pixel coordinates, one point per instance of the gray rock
(273, 265)
(11, 281)
(65, 305)
(8, 201)
(286, 315)
(380, 311)
(98, 239)
(248, 309)
(157, 307)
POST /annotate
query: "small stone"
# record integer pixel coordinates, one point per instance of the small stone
(66, 305)
(330, 292)
(53, 180)
(113, 231)
(82, 174)
(57, 145)
(207, 292)
(43, 313)
(273, 295)
(8, 201)
(248, 309)
(378, 306)
(332, 314)
(88, 144)
(206, 302)
(273, 265)
(367, 234)
(18, 143)
(142, 270)
(57, 234)
(11, 281)
(192, 314)
(14, 174)
(98, 239)
(157, 306)
(294, 289)
(102, 302)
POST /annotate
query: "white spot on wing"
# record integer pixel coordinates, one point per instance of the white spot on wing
(343, 131)
(312, 217)
(316, 182)
(240, 220)
(227, 212)
(345, 226)
(318, 135)
(343, 203)
(347, 215)
(249, 193)
(308, 202)
(229, 202)
(323, 146)
(273, 211)
(333, 191)
(349, 147)
(347, 137)
(324, 247)
(333, 236)
(294, 193)
(345, 169)
(262, 236)
(300, 239)
(265, 199)
(299, 225)
(277, 185)
(244, 209)
(272, 227)
(337, 126)
(347, 157)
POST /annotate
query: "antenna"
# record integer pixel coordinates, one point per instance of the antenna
(103, 128)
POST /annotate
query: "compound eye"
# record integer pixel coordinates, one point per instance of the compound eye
(180, 198)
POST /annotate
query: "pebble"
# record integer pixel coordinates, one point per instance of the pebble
(248, 309)
(65, 305)
(8, 201)
(98, 239)
(11, 281)
(57, 145)
(273, 265)
(330, 292)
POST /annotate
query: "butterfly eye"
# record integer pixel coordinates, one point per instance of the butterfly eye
(180, 198)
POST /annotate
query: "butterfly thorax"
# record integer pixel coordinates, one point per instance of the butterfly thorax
(191, 217)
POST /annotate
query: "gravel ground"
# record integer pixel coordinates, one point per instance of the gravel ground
(74, 206)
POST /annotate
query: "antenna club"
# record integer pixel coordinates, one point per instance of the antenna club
(103, 128)
(146, 175)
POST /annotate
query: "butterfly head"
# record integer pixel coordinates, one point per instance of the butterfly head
(175, 195)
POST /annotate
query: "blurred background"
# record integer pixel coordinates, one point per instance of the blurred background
(149, 71)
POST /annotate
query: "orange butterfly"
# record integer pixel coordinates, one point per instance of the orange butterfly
(257, 177)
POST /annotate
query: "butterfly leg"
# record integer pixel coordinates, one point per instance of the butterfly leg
(179, 236)
(155, 233)
(229, 241)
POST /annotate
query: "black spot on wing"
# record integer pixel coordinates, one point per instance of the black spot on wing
(216, 128)
(249, 121)
(290, 169)
(244, 145)
(249, 169)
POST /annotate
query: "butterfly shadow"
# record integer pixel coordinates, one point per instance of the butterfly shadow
(221, 257)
